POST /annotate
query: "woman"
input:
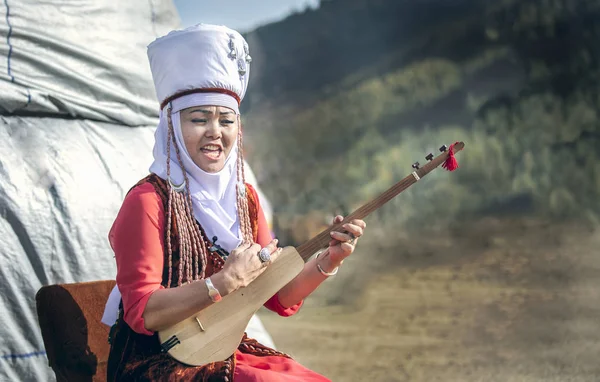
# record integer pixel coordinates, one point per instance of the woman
(167, 268)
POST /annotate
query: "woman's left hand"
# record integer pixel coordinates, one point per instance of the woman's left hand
(343, 244)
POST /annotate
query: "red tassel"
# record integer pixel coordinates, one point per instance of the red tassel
(450, 163)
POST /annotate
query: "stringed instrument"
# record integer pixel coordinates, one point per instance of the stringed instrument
(214, 333)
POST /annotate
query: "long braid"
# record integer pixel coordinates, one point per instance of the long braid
(184, 240)
(192, 250)
(242, 200)
(169, 200)
(198, 244)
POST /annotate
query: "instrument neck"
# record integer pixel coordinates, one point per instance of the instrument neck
(312, 246)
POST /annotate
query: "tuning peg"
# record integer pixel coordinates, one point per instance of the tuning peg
(443, 148)
(429, 157)
(416, 165)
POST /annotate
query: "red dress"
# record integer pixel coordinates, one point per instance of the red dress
(137, 238)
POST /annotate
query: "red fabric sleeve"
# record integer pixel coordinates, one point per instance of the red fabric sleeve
(136, 237)
(264, 238)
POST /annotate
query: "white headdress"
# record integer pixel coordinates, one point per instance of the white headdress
(211, 59)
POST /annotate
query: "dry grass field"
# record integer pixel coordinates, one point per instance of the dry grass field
(508, 299)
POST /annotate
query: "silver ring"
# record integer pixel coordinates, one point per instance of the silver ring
(264, 255)
(351, 241)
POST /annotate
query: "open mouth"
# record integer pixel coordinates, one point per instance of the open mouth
(212, 151)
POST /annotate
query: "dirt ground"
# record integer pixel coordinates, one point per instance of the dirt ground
(496, 300)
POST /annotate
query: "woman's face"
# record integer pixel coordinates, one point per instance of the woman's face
(209, 133)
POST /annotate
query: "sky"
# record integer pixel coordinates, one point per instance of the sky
(241, 15)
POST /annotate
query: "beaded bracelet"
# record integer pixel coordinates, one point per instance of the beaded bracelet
(326, 274)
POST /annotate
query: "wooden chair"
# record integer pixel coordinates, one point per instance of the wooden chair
(76, 341)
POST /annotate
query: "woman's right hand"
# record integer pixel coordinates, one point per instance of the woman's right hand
(243, 265)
